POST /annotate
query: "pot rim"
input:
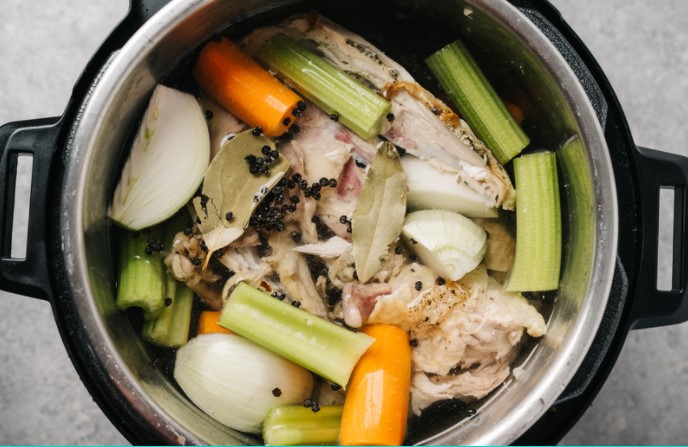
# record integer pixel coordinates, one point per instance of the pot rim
(135, 53)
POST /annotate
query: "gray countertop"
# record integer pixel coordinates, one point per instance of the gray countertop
(641, 44)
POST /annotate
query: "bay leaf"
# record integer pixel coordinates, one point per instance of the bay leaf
(228, 186)
(379, 214)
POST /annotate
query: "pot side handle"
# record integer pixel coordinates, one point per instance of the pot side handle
(652, 307)
(29, 274)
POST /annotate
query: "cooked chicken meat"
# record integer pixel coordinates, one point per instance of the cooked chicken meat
(222, 125)
(294, 275)
(461, 328)
(501, 245)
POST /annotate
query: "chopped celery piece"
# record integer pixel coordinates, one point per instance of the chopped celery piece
(538, 224)
(142, 277)
(471, 92)
(358, 107)
(322, 347)
(298, 425)
(171, 328)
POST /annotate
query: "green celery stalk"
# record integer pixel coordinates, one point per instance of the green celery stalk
(141, 279)
(537, 262)
(297, 425)
(171, 328)
(322, 347)
(358, 107)
(466, 84)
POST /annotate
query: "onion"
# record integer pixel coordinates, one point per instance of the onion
(431, 188)
(447, 242)
(236, 381)
(168, 159)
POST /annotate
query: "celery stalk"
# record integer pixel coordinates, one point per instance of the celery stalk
(141, 280)
(297, 425)
(171, 328)
(461, 78)
(537, 261)
(322, 347)
(358, 107)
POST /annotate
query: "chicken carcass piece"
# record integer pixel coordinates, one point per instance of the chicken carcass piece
(293, 272)
(395, 279)
(423, 125)
(245, 263)
(184, 261)
(501, 246)
(222, 125)
(329, 150)
(464, 330)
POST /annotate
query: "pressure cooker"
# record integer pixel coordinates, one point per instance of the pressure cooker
(609, 281)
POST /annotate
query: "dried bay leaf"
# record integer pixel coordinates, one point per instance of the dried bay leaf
(229, 186)
(379, 214)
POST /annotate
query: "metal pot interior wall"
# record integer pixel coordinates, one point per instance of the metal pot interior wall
(525, 69)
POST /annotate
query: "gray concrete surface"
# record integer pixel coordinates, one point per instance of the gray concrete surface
(641, 44)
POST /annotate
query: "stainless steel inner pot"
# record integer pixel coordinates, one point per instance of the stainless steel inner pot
(551, 93)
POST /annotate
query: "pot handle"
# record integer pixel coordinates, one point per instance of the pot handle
(35, 139)
(653, 308)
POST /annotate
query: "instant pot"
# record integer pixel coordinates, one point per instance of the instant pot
(611, 196)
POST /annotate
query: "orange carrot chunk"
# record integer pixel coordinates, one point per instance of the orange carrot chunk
(245, 88)
(515, 111)
(208, 323)
(376, 405)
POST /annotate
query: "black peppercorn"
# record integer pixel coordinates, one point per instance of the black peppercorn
(413, 342)
(276, 392)
(257, 131)
(418, 285)
(390, 117)
(229, 216)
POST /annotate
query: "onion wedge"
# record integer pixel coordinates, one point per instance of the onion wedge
(168, 159)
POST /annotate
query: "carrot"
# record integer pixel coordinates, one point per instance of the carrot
(515, 111)
(376, 405)
(245, 88)
(208, 323)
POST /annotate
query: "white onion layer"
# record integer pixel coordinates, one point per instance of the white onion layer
(167, 162)
(236, 381)
(447, 242)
